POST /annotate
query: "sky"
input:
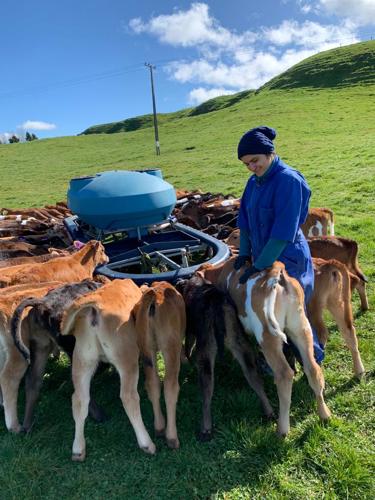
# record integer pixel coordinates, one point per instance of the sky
(70, 64)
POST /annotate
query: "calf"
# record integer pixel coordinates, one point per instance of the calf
(319, 222)
(76, 267)
(332, 292)
(42, 329)
(30, 260)
(103, 325)
(267, 304)
(12, 364)
(212, 323)
(160, 324)
(10, 249)
(345, 251)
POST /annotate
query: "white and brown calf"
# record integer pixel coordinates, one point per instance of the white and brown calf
(160, 324)
(270, 305)
(319, 222)
(332, 291)
(103, 325)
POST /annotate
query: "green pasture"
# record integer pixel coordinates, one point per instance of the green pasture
(329, 135)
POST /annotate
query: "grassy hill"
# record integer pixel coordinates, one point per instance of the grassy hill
(340, 67)
(328, 133)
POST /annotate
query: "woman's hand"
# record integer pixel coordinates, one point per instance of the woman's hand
(240, 261)
(247, 274)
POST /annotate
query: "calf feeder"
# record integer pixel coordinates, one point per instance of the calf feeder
(130, 212)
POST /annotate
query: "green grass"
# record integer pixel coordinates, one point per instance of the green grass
(328, 134)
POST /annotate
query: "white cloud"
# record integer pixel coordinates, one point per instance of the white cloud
(360, 11)
(200, 94)
(36, 125)
(310, 34)
(264, 66)
(190, 28)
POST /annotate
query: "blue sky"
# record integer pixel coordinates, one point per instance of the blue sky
(67, 65)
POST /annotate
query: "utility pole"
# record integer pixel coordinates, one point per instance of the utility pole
(157, 144)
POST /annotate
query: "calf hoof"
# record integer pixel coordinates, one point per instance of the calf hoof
(282, 431)
(361, 375)
(150, 449)
(159, 433)
(282, 435)
(15, 429)
(79, 457)
(323, 411)
(205, 436)
(174, 444)
(269, 417)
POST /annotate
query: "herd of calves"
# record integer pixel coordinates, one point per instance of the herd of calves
(60, 304)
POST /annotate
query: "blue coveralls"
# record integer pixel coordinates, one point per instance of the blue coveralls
(276, 208)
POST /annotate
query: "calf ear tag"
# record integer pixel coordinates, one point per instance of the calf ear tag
(78, 244)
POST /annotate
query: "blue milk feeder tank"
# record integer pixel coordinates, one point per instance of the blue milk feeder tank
(122, 199)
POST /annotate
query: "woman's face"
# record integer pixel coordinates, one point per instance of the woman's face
(258, 164)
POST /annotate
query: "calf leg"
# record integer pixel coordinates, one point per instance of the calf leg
(283, 376)
(34, 380)
(171, 391)
(361, 288)
(82, 372)
(316, 319)
(301, 334)
(10, 378)
(206, 365)
(153, 392)
(130, 399)
(238, 345)
(348, 332)
(67, 342)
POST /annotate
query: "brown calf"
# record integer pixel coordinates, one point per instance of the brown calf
(212, 323)
(332, 292)
(160, 324)
(269, 303)
(30, 260)
(319, 222)
(345, 251)
(41, 326)
(103, 325)
(10, 248)
(12, 364)
(76, 267)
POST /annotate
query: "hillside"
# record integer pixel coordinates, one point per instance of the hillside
(340, 67)
(145, 121)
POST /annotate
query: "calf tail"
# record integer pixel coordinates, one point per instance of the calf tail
(145, 311)
(70, 315)
(269, 308)
(16, 324)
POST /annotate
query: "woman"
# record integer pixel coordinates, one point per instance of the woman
(273, 206)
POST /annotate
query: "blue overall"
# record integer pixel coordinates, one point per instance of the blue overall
(275, 207)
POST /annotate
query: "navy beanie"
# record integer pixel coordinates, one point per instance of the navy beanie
(257, 141)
